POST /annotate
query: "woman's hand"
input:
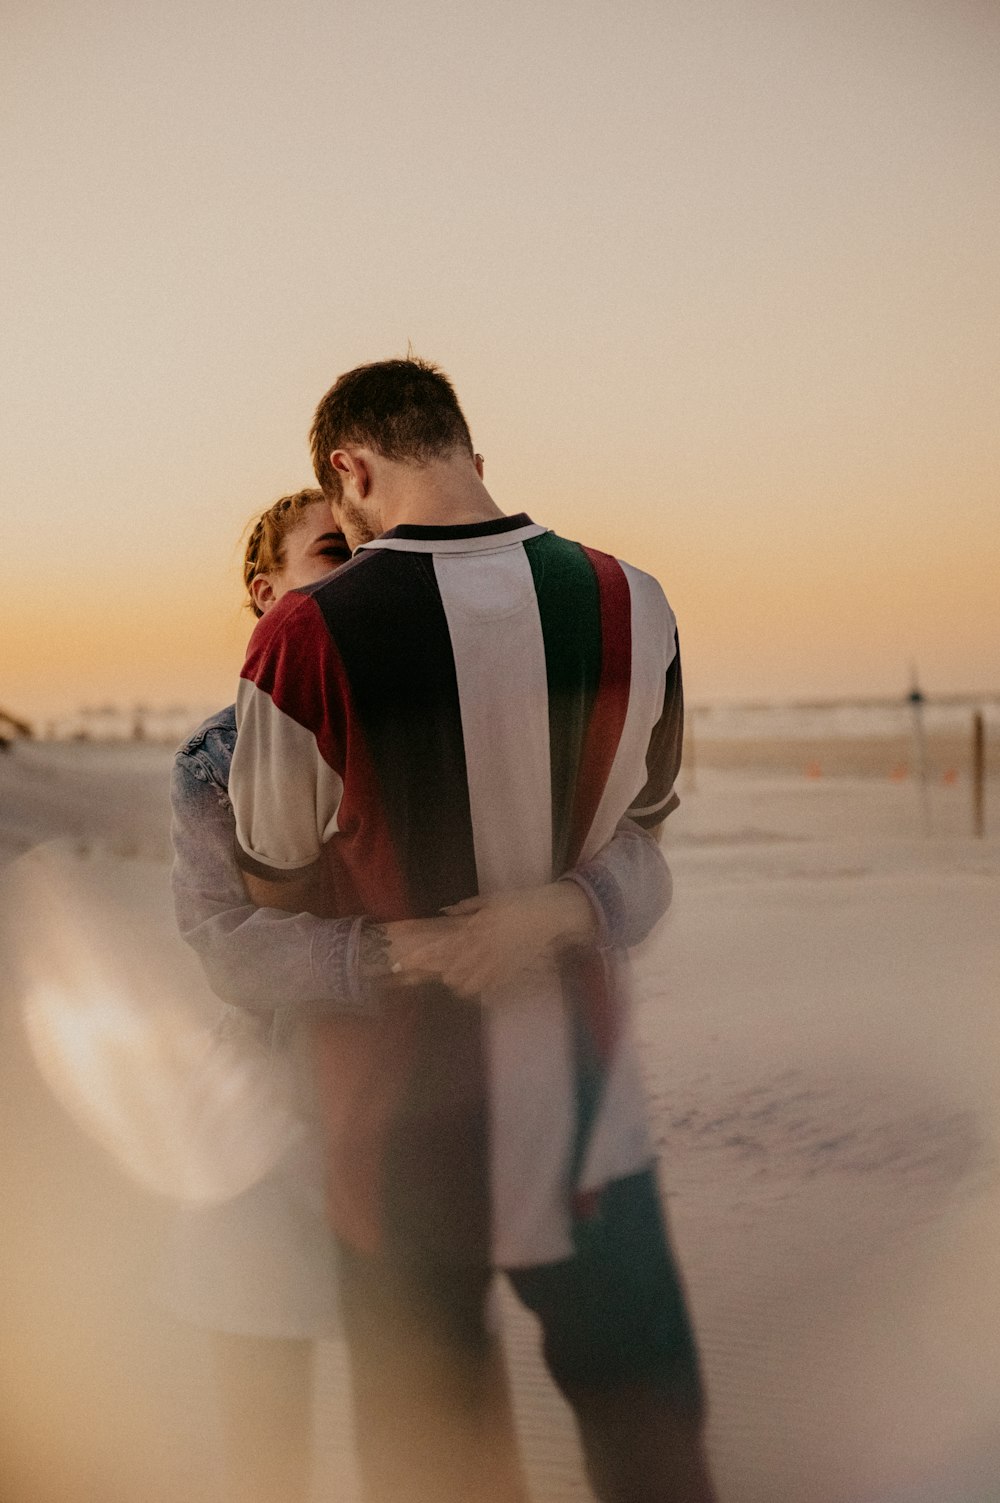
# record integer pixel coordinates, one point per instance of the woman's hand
(484, 942)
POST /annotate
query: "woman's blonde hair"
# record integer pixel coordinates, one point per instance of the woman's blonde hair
(265, 549)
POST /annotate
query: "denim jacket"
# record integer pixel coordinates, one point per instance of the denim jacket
(273, 963)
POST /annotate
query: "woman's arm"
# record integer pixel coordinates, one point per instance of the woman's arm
(610, 902)
(628, 884)
(262, 959)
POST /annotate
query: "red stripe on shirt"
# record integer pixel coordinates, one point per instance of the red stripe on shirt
(604, 731)
(607, 716)
(293, 660)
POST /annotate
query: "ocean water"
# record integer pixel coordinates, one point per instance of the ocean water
(841, 720)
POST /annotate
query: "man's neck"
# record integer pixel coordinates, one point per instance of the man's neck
(437, 495)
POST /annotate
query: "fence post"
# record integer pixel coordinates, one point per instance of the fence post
(916, 699)
(978, 774)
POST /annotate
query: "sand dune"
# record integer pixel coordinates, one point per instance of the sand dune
(822, 1038)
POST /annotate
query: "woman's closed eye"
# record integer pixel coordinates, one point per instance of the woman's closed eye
(332, 546)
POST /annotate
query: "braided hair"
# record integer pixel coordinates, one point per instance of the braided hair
(265, 550)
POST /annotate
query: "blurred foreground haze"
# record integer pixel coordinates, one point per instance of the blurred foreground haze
(822, 1050)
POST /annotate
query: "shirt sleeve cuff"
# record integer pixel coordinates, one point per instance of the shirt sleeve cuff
(654, 814)
(256, 868)
(605, 897)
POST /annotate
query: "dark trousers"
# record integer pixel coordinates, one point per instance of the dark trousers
(432, 1408)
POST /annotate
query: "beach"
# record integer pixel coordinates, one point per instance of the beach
(820, 1031)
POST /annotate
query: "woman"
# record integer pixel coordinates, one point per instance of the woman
(259, 1270)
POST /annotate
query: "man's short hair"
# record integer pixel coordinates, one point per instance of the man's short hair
(403, 409)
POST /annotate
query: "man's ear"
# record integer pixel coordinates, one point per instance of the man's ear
(262, 593)
(352, 468)
(477, 460)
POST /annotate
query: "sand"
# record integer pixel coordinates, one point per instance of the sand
(822, 1038)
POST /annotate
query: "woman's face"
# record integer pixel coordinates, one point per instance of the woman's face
(312, 549)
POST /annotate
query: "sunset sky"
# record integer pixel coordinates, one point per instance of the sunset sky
(717, 283)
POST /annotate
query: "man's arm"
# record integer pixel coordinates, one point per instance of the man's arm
(285, 780)
(302, 893)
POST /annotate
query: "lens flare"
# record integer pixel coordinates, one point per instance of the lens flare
(130, 1047)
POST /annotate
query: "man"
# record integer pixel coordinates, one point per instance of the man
(470, 706)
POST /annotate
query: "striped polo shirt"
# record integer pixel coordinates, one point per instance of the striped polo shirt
(464, 710)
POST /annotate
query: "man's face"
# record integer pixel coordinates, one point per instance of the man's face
(355, 510)
(354, 521)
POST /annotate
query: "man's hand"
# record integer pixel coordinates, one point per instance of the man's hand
(485, 942)
(477, 944)
(388, 949)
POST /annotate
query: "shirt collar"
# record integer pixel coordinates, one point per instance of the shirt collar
(474, 537)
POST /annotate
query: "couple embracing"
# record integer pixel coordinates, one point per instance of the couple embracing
(418, 853)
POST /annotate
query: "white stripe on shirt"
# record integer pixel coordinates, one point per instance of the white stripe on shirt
(503, 691)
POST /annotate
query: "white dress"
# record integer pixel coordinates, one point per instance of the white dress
(263, 1262)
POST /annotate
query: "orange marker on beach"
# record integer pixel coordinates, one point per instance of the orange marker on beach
(950, 776)
(813, 770)
(900, 772)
